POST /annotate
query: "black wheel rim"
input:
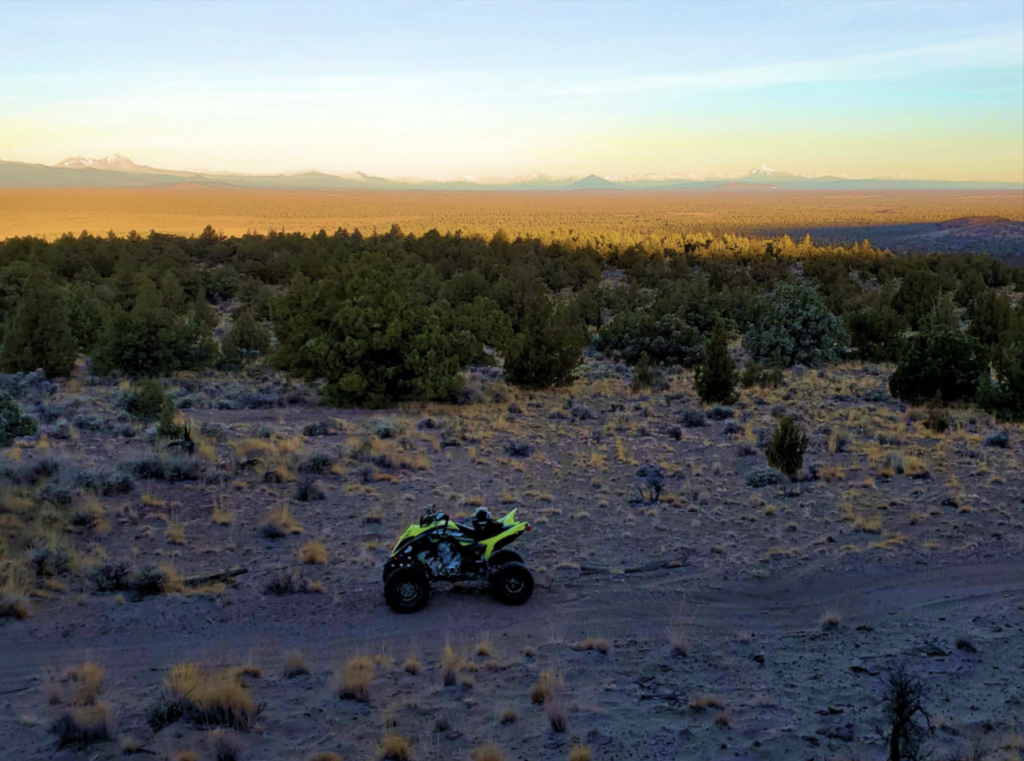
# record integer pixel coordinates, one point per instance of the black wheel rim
(408, 591)
(513, 585)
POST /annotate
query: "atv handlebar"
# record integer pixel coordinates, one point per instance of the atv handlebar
(431, 514)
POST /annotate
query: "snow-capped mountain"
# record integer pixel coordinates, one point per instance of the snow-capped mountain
(114, 163)
(117, 171)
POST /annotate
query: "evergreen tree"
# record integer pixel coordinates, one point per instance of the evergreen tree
(794, 326)
(991, 318)
(941, 363)
(362, 329)
(787, 447)
(246, 339)
(715, 378)
(12, 423)
(39, 335)
(548, 346)
(84, 312)
(646, 375)
(1005, 396)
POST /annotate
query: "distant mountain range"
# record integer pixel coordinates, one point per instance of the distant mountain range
(119, 172)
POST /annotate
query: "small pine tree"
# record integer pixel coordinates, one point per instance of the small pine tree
(715, 378)
(12, 423)
(245, 340)
(787, 447)
(548, 346)
(39, 335)
(149, 403)
(646, 375)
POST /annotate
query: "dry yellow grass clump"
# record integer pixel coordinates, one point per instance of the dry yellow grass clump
(294, 664)
(547, 685)
(451, 664)
(313, 553)
(356, 678)
(489, 752)
(280, 522)
(581, 753)
(83, 718)
(222, 514)
(394, 748)
(214, 697)
(702, 701)
(601, 645)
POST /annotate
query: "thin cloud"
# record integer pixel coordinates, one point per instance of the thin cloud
(994, 51)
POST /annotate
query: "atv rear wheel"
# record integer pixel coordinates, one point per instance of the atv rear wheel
(512, 583)
(501, 557)
(406, 590)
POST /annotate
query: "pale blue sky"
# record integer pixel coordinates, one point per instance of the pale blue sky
(500, 89)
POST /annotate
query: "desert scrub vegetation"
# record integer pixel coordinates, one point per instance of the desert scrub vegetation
(597, 644)
(546, 687)
(82, 719)
(206, 697)
(489, 752)
(394, 747)
(280, 523)
(355, 678)
(313, 553)
(156, 314)
(294, 664)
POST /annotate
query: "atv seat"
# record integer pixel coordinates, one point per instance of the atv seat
(491, 528)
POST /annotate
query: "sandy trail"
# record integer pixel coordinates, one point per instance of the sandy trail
(636, 606)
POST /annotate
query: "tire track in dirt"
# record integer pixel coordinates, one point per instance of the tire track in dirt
(624, 608)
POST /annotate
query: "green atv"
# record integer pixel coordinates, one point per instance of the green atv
(440, 549)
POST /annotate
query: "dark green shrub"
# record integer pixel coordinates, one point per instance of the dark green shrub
(692, 417)
(666, 340)
(160, 333)
(764, 477)
(306, 489)
(875, 333)
(1004, 395)
(150, 581)
(148, 402)
(244, 341)
(991, 318)
(647, 375)
(361, 331)
(12, 423)
(715, 377)
(787, 447)
(112, 576)
(548, 346)
(999, 439)
(720, 412)
(941, 364)
(38, 336)
(916, 296)
(793, 326)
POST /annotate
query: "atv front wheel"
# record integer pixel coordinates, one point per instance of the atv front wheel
(512, 583)
(406, 590)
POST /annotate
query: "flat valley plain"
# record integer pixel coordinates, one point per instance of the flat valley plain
(658, 219)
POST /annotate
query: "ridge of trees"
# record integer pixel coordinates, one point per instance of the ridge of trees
(386, 317)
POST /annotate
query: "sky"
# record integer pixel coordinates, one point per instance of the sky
(489, 90)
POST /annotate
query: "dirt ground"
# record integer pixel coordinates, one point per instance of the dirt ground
(726, 620)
